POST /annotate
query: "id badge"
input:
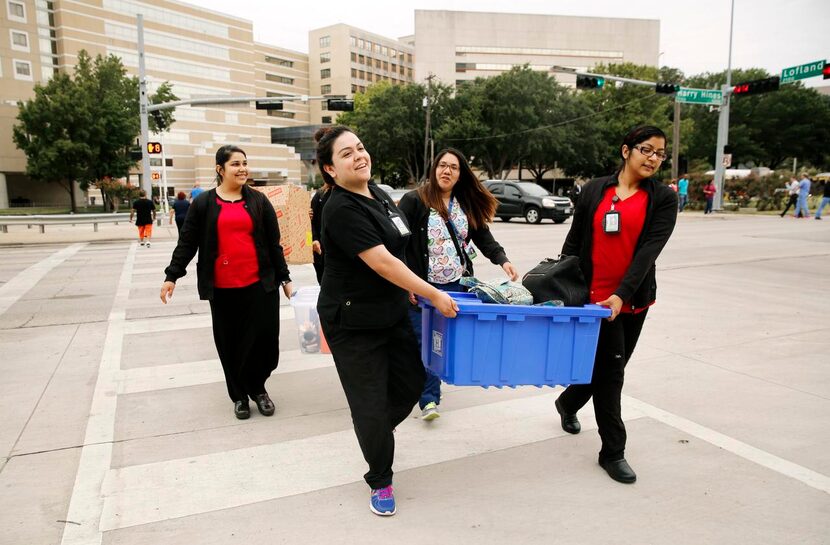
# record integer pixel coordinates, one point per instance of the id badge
(611, 222)
(402, 228)
(471, 251)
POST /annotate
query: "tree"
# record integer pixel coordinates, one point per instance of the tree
(493, 119)
(567, 142)
(620, 108)
(54, 133)
(162, 120)
(766, 129)
(390, 120)
(81, 129)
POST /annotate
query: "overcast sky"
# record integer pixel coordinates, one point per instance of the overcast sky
(694, 35)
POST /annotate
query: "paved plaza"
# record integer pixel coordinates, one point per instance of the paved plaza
(117, 428)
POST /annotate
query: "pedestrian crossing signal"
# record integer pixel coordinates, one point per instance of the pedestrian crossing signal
(153, 147)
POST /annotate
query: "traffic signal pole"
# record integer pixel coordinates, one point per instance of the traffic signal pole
(723, 123)
(146, 178)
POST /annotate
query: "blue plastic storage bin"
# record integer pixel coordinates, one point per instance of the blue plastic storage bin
(510, 345)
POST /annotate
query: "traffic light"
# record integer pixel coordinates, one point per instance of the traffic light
(826, 71)
(589, 82)
(340, 105)
(153, 147)
(159, 119)
(135, 154)
(268, 105)
(757, 86)
(666, 88)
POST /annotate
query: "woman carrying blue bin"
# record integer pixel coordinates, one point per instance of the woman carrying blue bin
(445, 214)
(363, 305)
(620, 226)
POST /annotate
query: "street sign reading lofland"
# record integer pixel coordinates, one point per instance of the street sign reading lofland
(809, 70)
(699, 96)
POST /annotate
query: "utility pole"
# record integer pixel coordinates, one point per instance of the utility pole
(723, 122)
(146, 178)
(427, 129)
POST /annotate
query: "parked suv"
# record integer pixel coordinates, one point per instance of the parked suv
(529, 201)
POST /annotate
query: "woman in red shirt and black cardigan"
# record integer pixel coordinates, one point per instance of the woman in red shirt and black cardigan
(234, 228)
(620, 226)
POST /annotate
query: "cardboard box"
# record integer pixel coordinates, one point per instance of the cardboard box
(292, 204)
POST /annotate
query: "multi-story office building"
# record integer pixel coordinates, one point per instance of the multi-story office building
(200, 52)
(458, 46)
(205, 53)
(344, 60)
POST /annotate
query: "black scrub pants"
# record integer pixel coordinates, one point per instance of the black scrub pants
(246, 330)
(382, 377)
(616, 343)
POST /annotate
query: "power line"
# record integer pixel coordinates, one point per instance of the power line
(561, 123)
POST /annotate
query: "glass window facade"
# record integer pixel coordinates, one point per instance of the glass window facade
(279, 79)
(167, 17)
(279, 62)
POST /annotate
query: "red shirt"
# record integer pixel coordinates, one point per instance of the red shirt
(611, 253)
(236, 263)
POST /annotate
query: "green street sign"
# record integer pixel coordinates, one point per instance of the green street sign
(699, 96)
(804, 71)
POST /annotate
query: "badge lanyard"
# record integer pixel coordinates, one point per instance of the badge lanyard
(403, 230)
(468, 248)
(611, 220)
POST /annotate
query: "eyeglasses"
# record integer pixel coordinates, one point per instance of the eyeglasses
(444, 166)
(650, 152)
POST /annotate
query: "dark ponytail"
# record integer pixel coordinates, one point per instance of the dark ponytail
(325, 137)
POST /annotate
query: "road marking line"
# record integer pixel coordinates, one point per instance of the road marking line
(86, 503)
(765, 459)
(196, 373)
(26, 279)
(159, 491)
(176, 323)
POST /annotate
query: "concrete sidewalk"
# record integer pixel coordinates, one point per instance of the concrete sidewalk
(117, 429)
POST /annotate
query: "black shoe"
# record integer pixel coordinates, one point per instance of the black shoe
(619, 470)
(264, 404)
(242, 410)
(570, 423)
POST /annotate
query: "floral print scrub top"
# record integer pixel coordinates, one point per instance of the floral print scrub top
(444, 264)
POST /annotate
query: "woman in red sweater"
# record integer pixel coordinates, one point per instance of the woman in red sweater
(620, 226)
(234, 228)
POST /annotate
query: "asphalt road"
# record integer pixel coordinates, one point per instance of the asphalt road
(116, 427)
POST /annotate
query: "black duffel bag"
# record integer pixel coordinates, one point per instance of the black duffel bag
(557, 279)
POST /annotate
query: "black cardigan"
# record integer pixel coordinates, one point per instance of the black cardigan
(639, 285)
(199, 234)
(417, 216)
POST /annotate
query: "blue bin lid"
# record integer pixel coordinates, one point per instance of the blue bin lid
(468, 303)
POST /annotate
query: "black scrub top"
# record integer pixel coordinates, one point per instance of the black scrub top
(352, 295)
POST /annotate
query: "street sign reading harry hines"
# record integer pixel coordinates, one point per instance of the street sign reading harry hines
(699, 96)
(804, 71)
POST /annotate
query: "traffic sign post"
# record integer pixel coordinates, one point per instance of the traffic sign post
(727, 160)
(699, 96)
(803, 71)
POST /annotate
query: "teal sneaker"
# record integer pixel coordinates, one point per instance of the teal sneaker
(430, 412)
(382, 501)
